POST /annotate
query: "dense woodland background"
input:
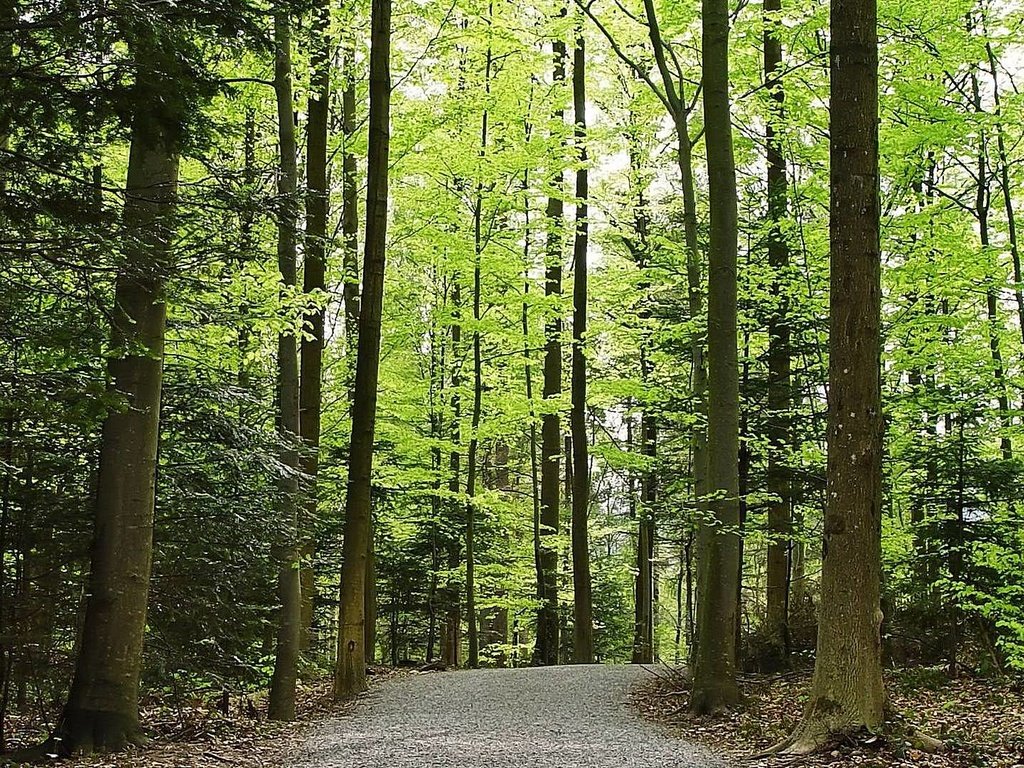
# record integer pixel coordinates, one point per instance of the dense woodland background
(475, 483)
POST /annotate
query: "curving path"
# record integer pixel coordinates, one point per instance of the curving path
(541, 717)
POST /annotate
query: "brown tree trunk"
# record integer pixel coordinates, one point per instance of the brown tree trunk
(714, 685)
(778, 432)
(643, 640)
(472, 622)
(846, 692)
(583, 619)
(350, 674)
(1007, 189)
(451, 642)
(551, 441)
(102, 708)
(314, 262)
(281, 703)
(982, 207)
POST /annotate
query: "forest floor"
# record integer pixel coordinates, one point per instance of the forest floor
(198, 734)
(980, 721)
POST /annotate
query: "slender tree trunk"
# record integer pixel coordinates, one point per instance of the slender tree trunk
(1007, 189)
(643, 642)
(311, 363)
(679, 112)
(551, 442)
(779, 428)
(714, 686)
(528, 374)
(350, 203)
(350, 675)
(982, 207)
(847, 692)
(583, 620)
(281, 704)
(472, 635)
(102, 708)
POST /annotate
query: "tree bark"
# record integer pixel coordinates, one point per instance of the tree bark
(714, 685)
(102, 713)
(846, 691)
(583, 619)
(779, 429)
(350, 674)
(1007, 189)
(313, 281)
(982, 206)
(551, 442)
(281, 704)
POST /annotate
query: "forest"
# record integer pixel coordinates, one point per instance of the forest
(345, 337)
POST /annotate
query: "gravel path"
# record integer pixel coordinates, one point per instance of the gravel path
(549, 717)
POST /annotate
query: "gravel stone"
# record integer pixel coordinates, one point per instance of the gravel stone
(536, 717)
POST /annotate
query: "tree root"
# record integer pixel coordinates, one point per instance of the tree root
(807, 739)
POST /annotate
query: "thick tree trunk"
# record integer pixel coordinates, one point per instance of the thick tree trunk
(846, 692)
(551, 441)
(350, 674)
(714, 686)
(583, 619)
(314, 263)
(778, 432)
(281, 704)
(102, 708)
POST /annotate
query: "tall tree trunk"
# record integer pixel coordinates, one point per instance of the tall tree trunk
(846, 691)
(451, 646)
(643, 640)
(679, 111)
(281, 704)
(982, 206)
(350, 674)
(538, 561)
(583, 619)
(472, 623)
(102, 708)
(779, 429)
(551, 442)
(714, 685)
(643, 625)
(1007, 189)
(314, 263)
